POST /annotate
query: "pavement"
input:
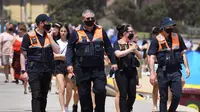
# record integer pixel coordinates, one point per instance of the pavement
(12, 99)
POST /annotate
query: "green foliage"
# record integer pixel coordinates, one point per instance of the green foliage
(151, 16)
(70, 10)
(142, 16)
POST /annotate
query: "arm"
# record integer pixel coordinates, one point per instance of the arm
(185, 61)
(24, 47)
(23, 60)
(108, 48)
(70, 50)
(120, 54)
(152, 58)
(138, 54)
(1, 39)
(55, 47)
(183, 51)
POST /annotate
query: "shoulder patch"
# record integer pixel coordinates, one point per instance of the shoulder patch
(174, 34)
(32, 33)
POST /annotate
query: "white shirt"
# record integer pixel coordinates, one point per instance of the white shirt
(63, 46)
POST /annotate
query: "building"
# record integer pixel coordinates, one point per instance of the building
(22, 10)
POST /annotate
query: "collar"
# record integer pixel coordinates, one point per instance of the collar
(42, 35)
(83, 28)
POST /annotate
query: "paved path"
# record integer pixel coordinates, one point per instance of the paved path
(12, 99)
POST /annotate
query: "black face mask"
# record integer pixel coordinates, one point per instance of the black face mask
(47, 27)
(169, 30)
(130, 36)
(10, 29)
(89, 23)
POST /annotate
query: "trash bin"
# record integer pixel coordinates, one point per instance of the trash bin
(191, 98)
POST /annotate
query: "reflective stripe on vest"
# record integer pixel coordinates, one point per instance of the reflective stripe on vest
(162, 42)
(97, 35)
(35, 43)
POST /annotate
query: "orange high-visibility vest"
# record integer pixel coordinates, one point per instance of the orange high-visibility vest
(35, 43)
(162, 42)
(97, 35)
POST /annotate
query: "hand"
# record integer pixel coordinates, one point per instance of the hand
(70, 69)
(70, 75)
(187, 70)
(11, 55)
(153, 78)
(114, 67)
(133, 46)
(24, 76)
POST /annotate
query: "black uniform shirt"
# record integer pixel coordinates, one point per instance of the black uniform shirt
(154, 46)
(37, 67)
(74, 38)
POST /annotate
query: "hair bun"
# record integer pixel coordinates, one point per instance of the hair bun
(119, 27)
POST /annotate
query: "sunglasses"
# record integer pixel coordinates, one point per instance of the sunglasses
(90, 19)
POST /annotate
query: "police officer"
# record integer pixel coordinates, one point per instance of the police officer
(38, 47)
(169, 50)
(86, 46)
(126, 76)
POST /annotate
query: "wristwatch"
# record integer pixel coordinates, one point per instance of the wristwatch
(23, 71)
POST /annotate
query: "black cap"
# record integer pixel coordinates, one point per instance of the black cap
(167, 21)
(42, 17)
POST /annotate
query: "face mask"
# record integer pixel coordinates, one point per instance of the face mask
(89, 23)
(130, 36)
(169, 30)
(47, 27)
(10, 29)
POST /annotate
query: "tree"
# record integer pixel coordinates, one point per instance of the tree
(70, 10)
(186, 10)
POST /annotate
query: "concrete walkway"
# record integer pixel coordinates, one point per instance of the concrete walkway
(12, 99)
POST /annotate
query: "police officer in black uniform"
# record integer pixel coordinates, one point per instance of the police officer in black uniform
(38, 47)
(86, 46)
(169, 50)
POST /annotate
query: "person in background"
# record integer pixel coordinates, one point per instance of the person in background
(198, 48)
(155, 31)
(60, 69)
(56, 36)
(126, 51)
(6, 52)
(16, 57)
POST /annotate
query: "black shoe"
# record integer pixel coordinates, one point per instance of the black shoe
(75, 108)
(6, 81)
(25, 92)
(29, 89)
(50, 87)
(17, 81)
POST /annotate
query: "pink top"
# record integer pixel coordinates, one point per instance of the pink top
(6, 41)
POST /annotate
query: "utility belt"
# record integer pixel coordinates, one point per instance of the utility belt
(170, 68)
(90, 61)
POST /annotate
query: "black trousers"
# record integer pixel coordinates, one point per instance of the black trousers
(126, 82)
(39, 83)
(84, 77)
(173, 80)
